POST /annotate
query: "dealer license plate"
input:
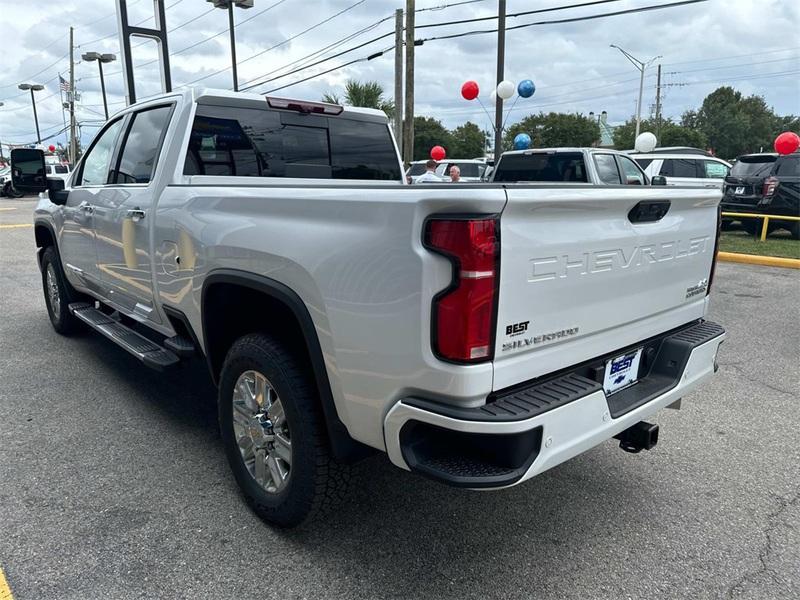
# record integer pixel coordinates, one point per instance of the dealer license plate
(739, 190)
(622, 371)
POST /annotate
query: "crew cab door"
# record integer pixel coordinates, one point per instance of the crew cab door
(123, 213)
(77, 234)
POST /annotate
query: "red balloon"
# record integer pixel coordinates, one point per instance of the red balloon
(470, 90)
(438, 153)
(787, 142)
(51, 148)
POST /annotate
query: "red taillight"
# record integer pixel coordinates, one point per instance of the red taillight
(770, 183)
(464, 314)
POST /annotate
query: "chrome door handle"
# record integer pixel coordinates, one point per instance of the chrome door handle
(87, 208)
(136, 214)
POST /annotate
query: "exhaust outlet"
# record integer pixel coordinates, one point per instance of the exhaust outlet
(642, 436)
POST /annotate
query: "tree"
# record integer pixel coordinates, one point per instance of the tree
(366, 95)
(736, 125)
(429, 132)
(670, 134)
(468, 141)
(555, 129)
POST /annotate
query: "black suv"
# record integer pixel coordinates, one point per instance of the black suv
(764, 183)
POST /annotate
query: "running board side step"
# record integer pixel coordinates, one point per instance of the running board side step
(147, 351)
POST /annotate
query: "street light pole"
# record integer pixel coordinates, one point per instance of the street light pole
(642, 67)
(229, 4)
(100, 58)
(33, 87)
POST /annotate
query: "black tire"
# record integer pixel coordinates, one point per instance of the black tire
(14, 192)
(316, 481)
(63, 321)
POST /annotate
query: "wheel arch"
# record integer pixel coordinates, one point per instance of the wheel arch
(261, 297)
(45, 236)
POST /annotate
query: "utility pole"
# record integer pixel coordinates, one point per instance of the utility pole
(398, 78)
(408, 112)
(501, 59)
(233, 47)
(658, 104)
(73, 145)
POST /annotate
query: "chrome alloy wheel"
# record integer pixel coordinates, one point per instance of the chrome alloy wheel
(52, 291)
(262, 431)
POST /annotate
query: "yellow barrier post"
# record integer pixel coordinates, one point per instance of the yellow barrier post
(764, 228)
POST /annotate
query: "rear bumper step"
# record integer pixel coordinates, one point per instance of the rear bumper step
(533, 427)
(147, 351)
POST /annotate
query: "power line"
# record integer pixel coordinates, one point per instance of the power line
(572, 19)
(284, 42)
(567, 20)
(517, 14)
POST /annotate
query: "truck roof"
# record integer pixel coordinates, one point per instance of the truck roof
(220, 97)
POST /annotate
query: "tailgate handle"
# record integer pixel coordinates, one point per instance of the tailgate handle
(648, 211)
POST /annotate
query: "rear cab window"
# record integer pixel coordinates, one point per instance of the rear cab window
(253, 142)
(541, 167)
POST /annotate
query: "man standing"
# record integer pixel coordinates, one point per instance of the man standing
(455, 174)
(429, 176)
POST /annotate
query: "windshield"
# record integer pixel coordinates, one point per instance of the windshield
(561, 166)
(417, 169)
(753, 166)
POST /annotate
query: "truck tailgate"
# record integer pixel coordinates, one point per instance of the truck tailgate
(579, 278)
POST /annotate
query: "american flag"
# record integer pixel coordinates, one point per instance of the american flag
(63, 84)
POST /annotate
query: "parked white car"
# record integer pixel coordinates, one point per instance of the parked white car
(685, 169)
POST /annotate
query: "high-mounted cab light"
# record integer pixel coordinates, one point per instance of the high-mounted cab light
(302, 106)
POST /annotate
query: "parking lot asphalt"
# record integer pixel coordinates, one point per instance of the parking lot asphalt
(113, 483)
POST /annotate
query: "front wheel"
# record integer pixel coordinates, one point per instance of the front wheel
(274, 433)
(58, 294)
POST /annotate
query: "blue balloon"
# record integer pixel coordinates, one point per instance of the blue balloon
(526, 88)
(522, 141)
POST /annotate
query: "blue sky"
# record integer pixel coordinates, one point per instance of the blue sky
(750, 44)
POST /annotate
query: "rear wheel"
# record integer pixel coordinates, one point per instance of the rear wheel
(274, 432)
(58, 294)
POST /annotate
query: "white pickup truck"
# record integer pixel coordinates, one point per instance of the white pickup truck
(477, 334)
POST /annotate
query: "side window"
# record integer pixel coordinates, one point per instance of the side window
(714, 170)
(680, 167)
(142, 144)
(630, 172)
(644, 162)
(607, 169)
(97, 163)
(787, 166)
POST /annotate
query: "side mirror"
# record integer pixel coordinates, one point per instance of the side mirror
(28, 173)
(56, 192)
(658, 180)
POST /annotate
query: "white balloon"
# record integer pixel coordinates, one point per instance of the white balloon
(645, 142)
(493, 98)
(506, 89)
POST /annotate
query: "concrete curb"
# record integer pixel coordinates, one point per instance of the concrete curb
(756, 259)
